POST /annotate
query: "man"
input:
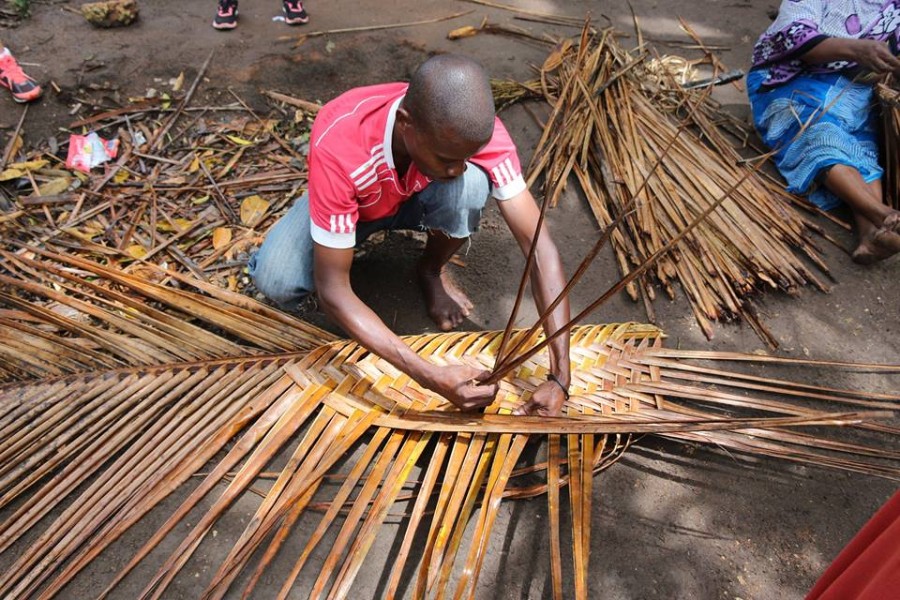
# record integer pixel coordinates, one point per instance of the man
(423, 156)
(22, 87)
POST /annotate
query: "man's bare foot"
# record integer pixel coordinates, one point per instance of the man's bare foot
(447, 305)
(876, 246)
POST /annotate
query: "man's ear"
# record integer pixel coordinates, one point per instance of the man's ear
(404, 119)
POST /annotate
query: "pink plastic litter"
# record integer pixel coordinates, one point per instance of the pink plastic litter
(88, 151)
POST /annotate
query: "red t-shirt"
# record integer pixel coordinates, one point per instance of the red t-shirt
(352, 176)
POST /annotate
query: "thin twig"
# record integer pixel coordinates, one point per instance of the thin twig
(302, 38)
(161, 134)
(7, 152)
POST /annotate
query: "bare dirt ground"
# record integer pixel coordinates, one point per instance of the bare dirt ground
(671, 521)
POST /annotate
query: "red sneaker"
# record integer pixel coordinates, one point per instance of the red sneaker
(12, 77)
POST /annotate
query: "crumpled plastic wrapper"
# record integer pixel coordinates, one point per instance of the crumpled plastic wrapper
(89, 151)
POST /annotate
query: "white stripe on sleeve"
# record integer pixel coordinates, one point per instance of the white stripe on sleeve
(498, 176)
(512, 170)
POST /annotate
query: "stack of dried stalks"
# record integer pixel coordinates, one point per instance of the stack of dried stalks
(642, 146)
(890, 119)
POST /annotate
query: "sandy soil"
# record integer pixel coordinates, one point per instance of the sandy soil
(671, 521)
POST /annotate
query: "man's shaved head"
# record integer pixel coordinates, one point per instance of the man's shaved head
(451, 94)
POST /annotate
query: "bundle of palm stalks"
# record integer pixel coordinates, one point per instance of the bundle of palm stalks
(648, 151)
(890, 122)
(193, 188)
(125, 388)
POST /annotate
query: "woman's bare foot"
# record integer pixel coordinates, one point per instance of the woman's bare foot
(892, 222)
(876, 246)
(447, 305)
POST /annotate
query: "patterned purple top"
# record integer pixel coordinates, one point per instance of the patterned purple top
(801, 24)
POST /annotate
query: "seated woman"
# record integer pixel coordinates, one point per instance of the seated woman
(811, 94)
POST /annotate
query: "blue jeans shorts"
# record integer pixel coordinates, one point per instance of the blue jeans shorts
(282, 269)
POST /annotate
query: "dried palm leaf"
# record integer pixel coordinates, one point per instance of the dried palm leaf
(137, 433)
(68, 315)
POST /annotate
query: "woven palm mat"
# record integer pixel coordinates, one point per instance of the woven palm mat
(111, 445)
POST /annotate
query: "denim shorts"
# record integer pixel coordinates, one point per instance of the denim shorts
(282, 269)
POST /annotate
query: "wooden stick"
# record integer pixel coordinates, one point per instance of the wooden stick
(302, 38)
(160, 135)
(512, 363)
(310, 107)
(7, 152)
(572, 20)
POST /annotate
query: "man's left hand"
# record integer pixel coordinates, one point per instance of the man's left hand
(546, 401)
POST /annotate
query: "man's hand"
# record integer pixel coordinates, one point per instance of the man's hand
(546, 401)
(547, 282)
(459, 384)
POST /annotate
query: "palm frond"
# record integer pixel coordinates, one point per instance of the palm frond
(138, 433)
(69, 315)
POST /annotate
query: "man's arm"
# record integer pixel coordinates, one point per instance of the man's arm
(547, 281)
(340, 302)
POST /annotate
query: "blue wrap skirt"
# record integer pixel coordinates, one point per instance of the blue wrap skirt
(841, 129)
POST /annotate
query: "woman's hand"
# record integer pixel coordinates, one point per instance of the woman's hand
(871, 55)
(875, 56)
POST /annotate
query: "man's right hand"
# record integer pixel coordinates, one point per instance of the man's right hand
(459, 384)
(456, 383)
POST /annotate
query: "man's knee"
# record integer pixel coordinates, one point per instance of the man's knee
(282, 269)
(455, 208)
(477, 188)
(277, 283)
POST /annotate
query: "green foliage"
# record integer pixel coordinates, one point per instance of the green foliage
(23, 7)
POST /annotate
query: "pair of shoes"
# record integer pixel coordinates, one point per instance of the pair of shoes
(227, 13)
(12, 77)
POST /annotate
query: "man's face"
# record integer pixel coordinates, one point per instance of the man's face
(438, 156)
